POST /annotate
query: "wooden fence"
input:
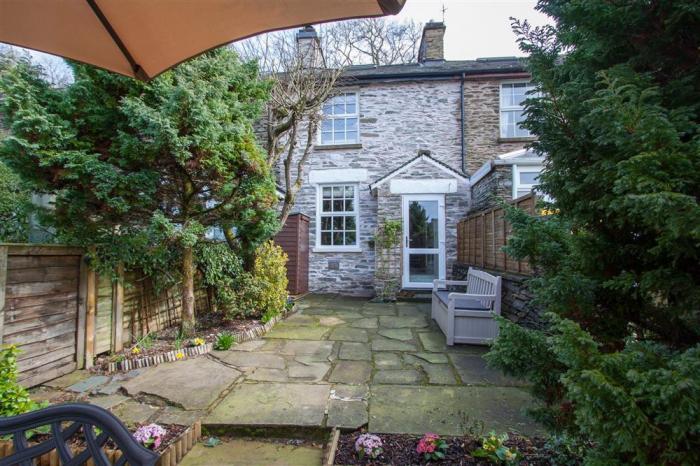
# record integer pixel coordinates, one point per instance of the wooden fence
(61, 314)
(481, 237)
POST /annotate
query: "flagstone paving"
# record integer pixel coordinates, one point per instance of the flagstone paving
(336, 362)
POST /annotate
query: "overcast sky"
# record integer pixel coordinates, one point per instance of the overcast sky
(475, 28)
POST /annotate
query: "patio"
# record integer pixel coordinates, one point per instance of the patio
(337, 362)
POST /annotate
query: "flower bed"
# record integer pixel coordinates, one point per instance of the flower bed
(163, 346)
(357, 448)
(172, 447)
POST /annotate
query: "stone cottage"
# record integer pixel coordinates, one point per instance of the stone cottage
(423, 144)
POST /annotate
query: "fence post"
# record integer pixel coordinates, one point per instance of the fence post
(82, 312)
(118, 309)
(3, 282)
(90, 316)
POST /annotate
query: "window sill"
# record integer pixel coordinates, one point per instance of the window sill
(337, 146)
(525, 139)
(332, 249)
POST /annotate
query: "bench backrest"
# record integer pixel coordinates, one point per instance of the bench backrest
(479, 282)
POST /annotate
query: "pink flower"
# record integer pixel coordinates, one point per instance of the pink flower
(428, 443)
(368, 444)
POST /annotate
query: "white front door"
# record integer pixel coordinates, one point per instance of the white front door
(423, 239)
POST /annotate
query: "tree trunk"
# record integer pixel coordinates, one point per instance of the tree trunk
(187, 316)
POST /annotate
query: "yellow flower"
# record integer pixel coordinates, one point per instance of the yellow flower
(135, 350)
(199, 341)
(179, 355)
(509, 455)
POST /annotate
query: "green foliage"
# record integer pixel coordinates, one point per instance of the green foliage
(15, 207)
(14, 399)
(221, 269)
(263, 292)
(142, 170)
(617, 366)
(389, 234)
(494, 450)
(224, 341)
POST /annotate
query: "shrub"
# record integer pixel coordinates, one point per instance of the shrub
(493, 449)
(224, 341)
(638, 405)
(221, 269)
(14, 399)
(263, 292)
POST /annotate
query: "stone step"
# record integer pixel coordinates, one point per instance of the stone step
(253, 452)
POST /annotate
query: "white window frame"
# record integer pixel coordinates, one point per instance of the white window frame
(502, 109)
(319, 213)
(517, 170)
(319, 137)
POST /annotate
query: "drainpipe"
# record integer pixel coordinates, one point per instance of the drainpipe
(462, 122)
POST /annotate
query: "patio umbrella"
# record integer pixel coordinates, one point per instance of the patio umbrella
(143, 38)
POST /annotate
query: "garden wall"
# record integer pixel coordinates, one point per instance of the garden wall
(516, 304)
(60, 313)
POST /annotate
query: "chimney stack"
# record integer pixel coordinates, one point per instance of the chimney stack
(309, 47)
(432, 44)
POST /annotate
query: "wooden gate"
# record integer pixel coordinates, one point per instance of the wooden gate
(41, 286)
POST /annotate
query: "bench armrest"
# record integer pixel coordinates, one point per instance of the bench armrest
(437, 284)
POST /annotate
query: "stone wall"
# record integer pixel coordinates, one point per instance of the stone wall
(456, 205)
(496, 185)
(482, 130)
(396, 121)
(516, 301)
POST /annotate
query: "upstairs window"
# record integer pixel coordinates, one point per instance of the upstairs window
(337, 216)
(340, 123)
(513, 96)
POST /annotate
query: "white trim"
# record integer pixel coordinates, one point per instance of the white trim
(434, 186)
(509, 158)
(517, 186)
(511, 108)
(345, 175)
(318, 247)
(319, 136)
(421, 158)
(406, 250)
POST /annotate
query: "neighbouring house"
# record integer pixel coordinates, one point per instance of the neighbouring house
(423, 143)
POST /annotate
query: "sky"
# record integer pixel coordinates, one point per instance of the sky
(475, 28)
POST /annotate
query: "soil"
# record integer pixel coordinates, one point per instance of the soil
(400, 449)
(163, 341)
(77, 441)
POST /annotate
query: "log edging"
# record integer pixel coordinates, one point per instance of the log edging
(171, 456)
(154, 359)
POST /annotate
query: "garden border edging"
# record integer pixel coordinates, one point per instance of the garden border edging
(170, 356)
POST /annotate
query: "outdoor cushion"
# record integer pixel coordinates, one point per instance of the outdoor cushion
(464, 303)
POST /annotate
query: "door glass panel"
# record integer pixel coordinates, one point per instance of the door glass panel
(423, 224)
(423, 268)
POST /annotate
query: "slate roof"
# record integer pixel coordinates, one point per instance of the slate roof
(437, 68)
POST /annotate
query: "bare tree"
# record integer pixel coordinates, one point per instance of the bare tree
(302, 82)
(376, 41)
(305, 76)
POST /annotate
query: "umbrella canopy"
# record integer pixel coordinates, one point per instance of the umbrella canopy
(143, 38)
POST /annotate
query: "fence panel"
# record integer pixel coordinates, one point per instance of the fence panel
(60, 313)
(481, 237)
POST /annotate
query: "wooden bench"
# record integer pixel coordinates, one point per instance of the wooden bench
(468, 317)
